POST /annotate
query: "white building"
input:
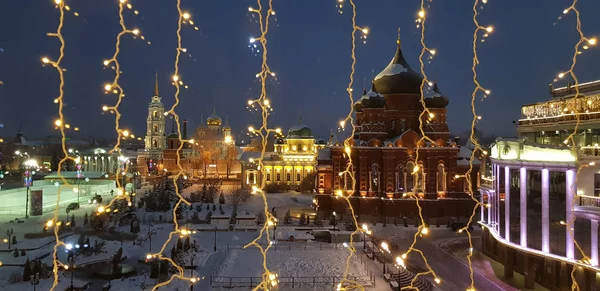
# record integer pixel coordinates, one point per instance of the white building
(536, 208)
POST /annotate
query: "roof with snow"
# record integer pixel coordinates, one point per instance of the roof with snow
(398, 77)
(324, 154)
(285, 234)
(464, 156)
(245, 216)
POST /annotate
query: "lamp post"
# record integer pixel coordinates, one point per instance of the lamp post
(366, 231)
(384, 247)
(215, 244)
(35, 280)
(71, 258)
(78, 167)
(28, 181)
(150, 236)
(192, 272)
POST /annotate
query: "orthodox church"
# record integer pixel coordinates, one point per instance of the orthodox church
(390, 155)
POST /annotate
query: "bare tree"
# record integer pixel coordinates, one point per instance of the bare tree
(236, 196)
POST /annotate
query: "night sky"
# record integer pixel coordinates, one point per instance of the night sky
(309, 49)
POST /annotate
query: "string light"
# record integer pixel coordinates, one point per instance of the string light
(582, 42)
(59, 100)
(421, 229)
(345, 283)
(180, 274)
(269, 278)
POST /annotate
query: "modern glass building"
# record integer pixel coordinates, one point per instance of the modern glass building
(541, 197)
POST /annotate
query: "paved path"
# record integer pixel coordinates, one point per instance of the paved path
(205, 271)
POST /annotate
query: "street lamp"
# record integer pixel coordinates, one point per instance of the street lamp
(384, 246)
(366, 231)
(78, 167)
(215, 244)
(27, 179)
(71, 259)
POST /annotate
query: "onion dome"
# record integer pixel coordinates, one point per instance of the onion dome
(358, 106)
(214, 119)
(226, 127)
(437, 100)
(373, 99)
(300, 131)
(398, 77)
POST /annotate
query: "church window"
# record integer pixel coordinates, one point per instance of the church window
(400, 179)
(154, 144)
(403, 124)
(374, 177)
(155, 128)
(393, 122)
(410, 177)
(441, 178)
(155, 114)
(251, 177)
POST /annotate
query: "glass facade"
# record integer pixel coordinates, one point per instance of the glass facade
(557, 213)
(501, 215)
(515, 206)
(534, 209)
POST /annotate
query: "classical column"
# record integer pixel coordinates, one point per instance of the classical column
(507, 203)
(545, 211)
(594, 240)
(571, 189)
(523, 212)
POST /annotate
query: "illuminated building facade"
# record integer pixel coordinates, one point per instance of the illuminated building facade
(217, 154)
(388, 134)
(542, 196)
(155, 140)
(293, 159)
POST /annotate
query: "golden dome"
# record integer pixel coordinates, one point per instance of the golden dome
(214, 119)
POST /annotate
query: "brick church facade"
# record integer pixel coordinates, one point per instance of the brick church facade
(398, 148)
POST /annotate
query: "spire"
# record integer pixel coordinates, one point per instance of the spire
(373, 89)
(435, 88)
(156, 85)
(398, 40)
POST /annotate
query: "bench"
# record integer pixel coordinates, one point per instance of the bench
(386, 277)
(394, 286)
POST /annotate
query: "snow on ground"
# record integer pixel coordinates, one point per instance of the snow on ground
(13, 200)
(45, 284)
(297, 263)
(393, 232)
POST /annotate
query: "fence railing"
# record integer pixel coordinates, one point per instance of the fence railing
(589, 201)
(294, 282)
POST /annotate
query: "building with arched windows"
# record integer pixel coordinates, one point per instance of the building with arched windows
(398, 149)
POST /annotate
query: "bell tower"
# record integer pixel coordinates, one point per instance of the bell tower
(155, 123)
